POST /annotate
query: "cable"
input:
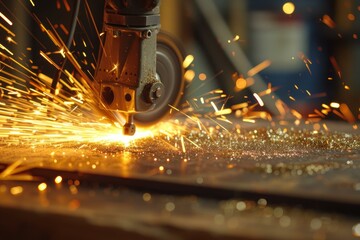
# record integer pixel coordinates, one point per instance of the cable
(68, 45)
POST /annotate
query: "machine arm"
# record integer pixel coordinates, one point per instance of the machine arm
(126, 73)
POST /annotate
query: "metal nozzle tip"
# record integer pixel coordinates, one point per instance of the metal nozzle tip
(129, 129)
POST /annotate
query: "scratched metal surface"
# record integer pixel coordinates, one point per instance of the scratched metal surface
(296, 162)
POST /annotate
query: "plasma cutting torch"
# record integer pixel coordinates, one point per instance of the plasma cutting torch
(139, 71)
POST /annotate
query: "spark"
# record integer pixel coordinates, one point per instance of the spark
(115, 68)
(58, 179)
(249, 120)
(336, 66)
(183, 144)
(306, 61)
(296, 114)
(189, 75)
(73, 189)
(188, 61)
(192, 142)
(319, 113)
(240, 106)
(10, 169)
(348, 115)
(7, 20)
(351, 17)
(67, 6)
(77, 100)
(218, 124)
(7, 50)
(327, 20)
(7, 30)
(281, 107)
(236, 38)
(49, 60)
(335, 105)
(240, 84)
(268, 91)
(260, 67)
(42, 187)
(222, 112)
(183, 113)
(64, 29)
(258, 99)
(214, 106)
(10, 40)
(16, 190)
(14, 172)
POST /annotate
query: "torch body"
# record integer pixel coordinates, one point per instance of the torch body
(126, 68)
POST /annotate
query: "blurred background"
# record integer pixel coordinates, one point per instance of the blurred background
(313, 46)
(306, 51)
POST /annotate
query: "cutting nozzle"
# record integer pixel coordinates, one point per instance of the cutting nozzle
(129, 128)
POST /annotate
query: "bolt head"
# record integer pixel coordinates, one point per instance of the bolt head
(158, 92)
(152, 92)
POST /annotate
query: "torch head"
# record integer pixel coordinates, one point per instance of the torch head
(125, 76)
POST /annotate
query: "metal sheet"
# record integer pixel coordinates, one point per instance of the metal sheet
(214, 183)
(292, 162)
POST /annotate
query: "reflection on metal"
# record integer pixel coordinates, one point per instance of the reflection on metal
(126, 160)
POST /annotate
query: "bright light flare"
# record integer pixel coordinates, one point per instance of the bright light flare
(10, 40)
(16, 190)
(42, 187)
(189, 75)
(117, 136)
(289, 8)
(5, 49)
(58, 179)
(6, 19)
(241, 84)
(188, 61)
(258, 99)
(335, 105)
